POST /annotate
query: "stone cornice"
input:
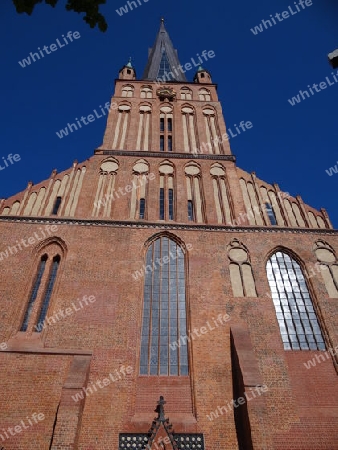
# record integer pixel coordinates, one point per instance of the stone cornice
(163, 226)
(166, 155)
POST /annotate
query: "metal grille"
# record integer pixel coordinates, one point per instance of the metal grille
(186, 441)
(138, 441)
(133, 441)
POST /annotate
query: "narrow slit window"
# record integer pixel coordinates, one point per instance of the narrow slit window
(161, 203)
(142, 207)
(34, 292)
(171, 204)
(271, 214)
(162, 143)
(170, 125)
(49, 291)
(162, 124)
(56, 206)
(170, 144)
(190, 210)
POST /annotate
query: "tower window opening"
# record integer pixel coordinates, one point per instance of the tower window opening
(171, 204)
(142, 207)
(162, 124)
(170, 144)
(161, 203)
(56, 206)
(162, 143)
(190, 211)
(271, 214)
(170, 125)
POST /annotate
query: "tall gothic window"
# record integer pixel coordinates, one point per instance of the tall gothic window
(190, 138)
(221, 194)
(49, 290)
(164, 310)
(143, 141)
(138, 203)
(194, 193)
(296, 316)
(41, 292)
(34, 292)
(167, 191)
(166, 129)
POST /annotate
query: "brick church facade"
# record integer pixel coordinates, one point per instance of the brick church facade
(156, 296)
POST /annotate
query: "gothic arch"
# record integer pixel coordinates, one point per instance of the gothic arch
(297, 311)
(170, 236)
(165, 319)
(55, 241)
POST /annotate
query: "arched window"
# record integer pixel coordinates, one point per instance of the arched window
(42, 291)
(166, 128)
(204, 95)
(296, 316)
(166, 191)
(138, 206)
(186, 94)
(164, 311)
(34, 292)
(127, 91)
(146, 92)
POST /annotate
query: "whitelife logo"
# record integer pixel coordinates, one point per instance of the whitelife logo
(10, 160)
(284, 14)
(49, 49)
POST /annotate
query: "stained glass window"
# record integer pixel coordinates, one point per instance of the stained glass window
(296, 315)
(163, 352)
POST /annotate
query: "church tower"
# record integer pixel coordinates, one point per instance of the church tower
(156, 296)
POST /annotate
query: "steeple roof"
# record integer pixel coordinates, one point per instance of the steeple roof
(163, 59)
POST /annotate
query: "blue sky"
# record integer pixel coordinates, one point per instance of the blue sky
(256, 75)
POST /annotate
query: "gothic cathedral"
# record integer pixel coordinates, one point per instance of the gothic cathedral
(158, 297)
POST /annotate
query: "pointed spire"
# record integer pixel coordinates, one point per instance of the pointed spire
(163, 62)
(129, 63)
